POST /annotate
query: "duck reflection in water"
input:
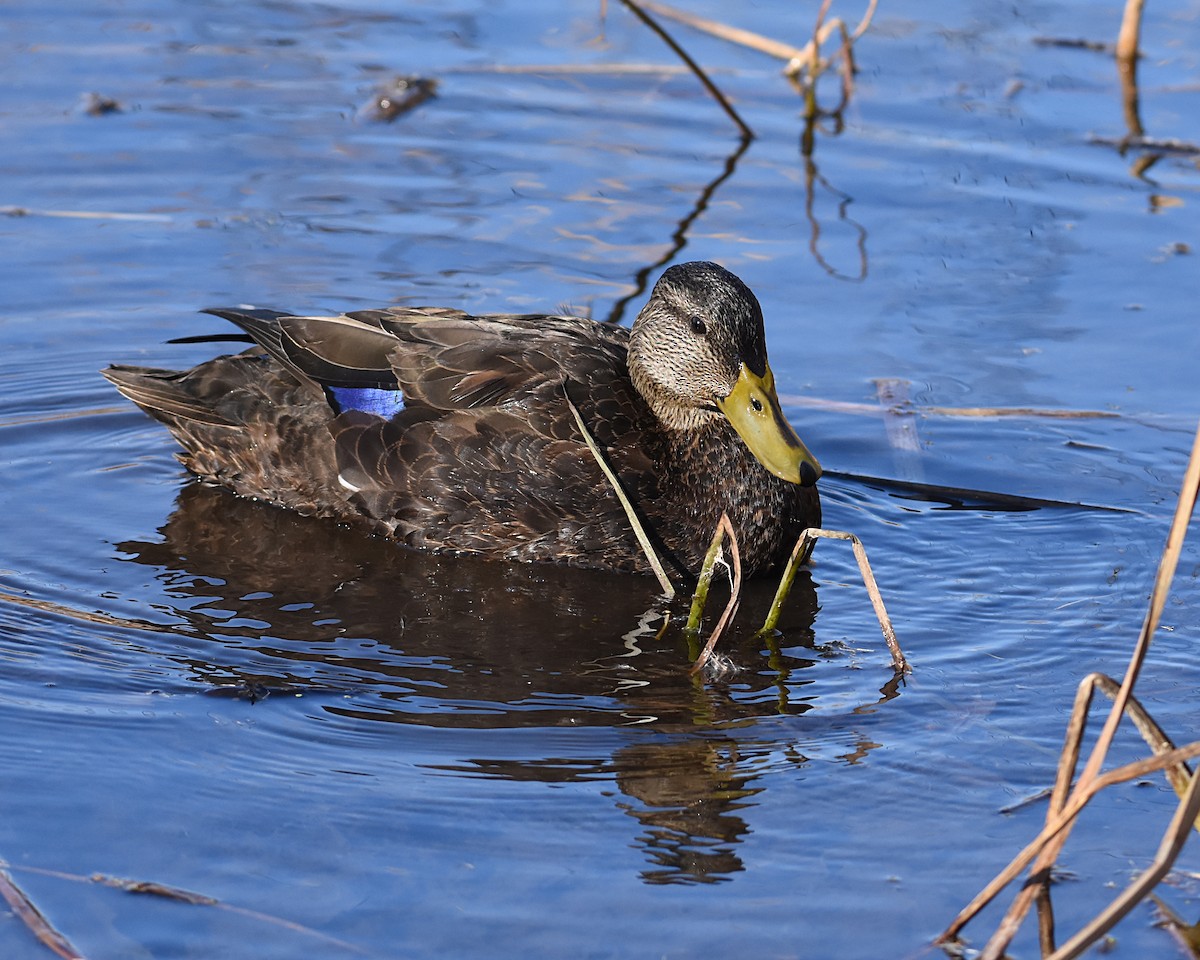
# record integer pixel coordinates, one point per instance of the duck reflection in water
(264, 599)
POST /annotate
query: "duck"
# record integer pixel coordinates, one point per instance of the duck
(465, 434)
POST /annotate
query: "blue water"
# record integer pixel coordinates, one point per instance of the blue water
(428, 757)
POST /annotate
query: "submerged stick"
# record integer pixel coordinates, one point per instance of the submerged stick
(177, 894)
(23, 908)
(800, 553)
(634, 522)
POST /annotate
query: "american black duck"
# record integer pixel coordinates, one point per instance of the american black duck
(451, 432)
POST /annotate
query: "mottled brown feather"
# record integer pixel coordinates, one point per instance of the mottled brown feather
(485, 458)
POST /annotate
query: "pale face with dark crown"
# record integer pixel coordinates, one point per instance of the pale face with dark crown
(697, 352)
(687, 342)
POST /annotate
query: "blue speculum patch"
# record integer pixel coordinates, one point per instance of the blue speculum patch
(377, 400)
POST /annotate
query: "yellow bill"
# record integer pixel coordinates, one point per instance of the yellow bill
(753, 409)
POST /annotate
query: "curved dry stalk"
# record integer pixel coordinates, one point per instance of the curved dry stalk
(1060, 815)
(724, 528)
(865, 22)
(800, 553)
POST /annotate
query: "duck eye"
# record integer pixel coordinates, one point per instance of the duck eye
(699, 327)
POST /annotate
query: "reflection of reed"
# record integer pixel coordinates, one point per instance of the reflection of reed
(1149, 149)
(813, 179)
(679, 235)
(805, 66)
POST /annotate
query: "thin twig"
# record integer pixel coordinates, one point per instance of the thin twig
(1060, 816)
(603, 69)
(638, 531)
(800, 551)
(735, 595)
(653, 24)
(885, 623)
(722, 31)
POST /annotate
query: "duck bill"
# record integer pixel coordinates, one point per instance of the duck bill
(753, 409)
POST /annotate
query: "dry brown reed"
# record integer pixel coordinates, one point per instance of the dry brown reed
(801, 551)
(634, 522)
(1071, 794)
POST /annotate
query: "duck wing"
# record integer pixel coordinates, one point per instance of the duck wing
(480, 452)
(486, 455)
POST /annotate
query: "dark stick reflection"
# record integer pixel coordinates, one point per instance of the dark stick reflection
(812, 180)
(679, 235)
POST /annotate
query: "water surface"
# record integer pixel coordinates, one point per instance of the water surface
(430, 757)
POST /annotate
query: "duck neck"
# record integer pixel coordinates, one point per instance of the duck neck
(677, 413)
(716, 474)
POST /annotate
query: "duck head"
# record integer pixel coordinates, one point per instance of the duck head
(697, 352)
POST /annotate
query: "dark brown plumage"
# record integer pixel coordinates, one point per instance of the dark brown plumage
(451, 432)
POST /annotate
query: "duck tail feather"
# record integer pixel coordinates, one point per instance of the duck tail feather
(160, 394)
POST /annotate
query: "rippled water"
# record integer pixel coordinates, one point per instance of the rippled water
(421, 757)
